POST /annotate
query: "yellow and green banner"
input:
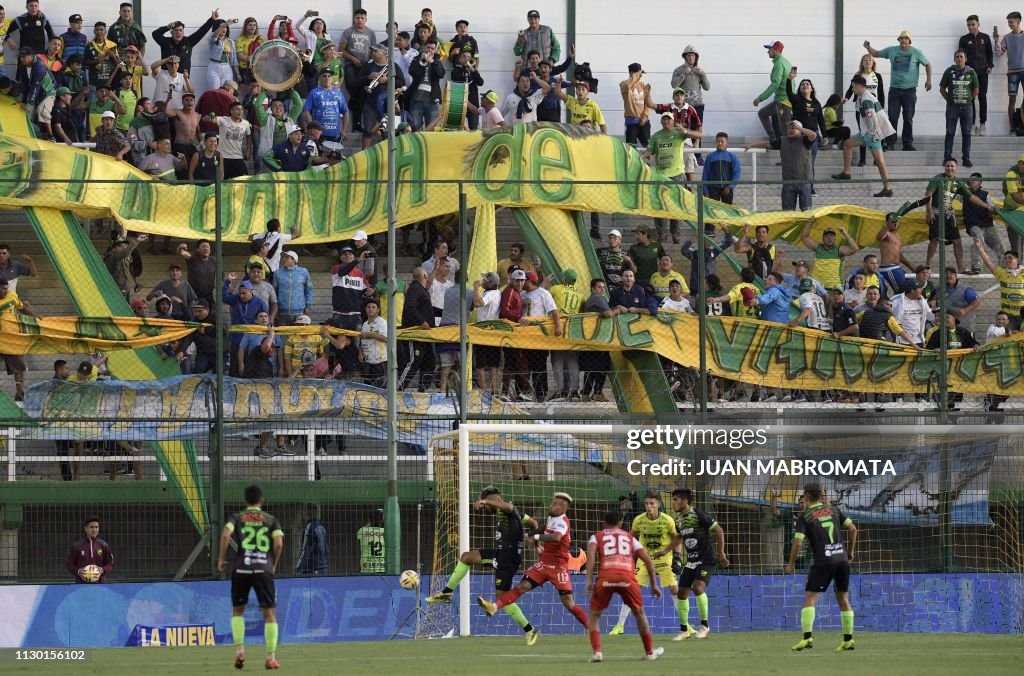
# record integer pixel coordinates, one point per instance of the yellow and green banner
(540, 165)
(763, 353)
(21, 334)
(95, 295)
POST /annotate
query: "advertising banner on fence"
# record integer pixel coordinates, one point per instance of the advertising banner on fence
(372, 608)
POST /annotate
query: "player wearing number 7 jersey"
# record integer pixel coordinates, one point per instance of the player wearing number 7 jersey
(259, 539)
(617, 548)
(506, 556)
(553, 566)
(822, 525)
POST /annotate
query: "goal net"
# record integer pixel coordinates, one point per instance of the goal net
(940, 543)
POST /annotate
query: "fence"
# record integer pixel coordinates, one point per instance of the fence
(159, 412)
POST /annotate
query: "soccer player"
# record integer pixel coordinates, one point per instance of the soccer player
(822, 525)
(260, 541)
(655, 531)
(507, 555)
(694, 528)
(616, 576)
(553, 565)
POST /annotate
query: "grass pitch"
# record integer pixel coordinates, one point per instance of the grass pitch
(740, 653)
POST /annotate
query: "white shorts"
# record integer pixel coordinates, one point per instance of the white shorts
(45, 110)
(691, 158)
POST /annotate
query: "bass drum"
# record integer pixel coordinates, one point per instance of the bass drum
(276, 65)
(455, 107)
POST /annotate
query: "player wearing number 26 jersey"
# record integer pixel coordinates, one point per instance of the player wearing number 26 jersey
(655, 530)
(553, 565)
(822, 524)
(259, 539)
(616, 549)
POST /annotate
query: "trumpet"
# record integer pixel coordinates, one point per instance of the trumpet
(376, 80)
(307, 55)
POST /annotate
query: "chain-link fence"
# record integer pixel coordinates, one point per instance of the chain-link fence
(583, 301)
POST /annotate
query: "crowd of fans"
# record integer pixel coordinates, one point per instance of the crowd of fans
(77, 89)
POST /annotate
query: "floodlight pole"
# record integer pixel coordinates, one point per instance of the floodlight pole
(392, 521)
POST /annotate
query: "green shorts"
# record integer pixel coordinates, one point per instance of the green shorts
(869, 143)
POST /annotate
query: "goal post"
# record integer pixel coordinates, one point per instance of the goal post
(464, 432)
(939, 513)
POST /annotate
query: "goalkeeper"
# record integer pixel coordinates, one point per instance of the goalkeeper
(506, 556)
(655, 531)
(90, 551)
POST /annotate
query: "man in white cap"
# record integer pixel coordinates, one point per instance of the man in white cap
(301, 348)
(294, 288)
(613, 260)
(274, 120)
(171, 82)
(292, 154)
(109, 141)
(366, 255)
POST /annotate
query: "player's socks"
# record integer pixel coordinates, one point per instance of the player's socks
(508, 598)
(238, 632)
(581, 615)
(461, 569)
(595, 641)
(648, 640)
(683, 610)
(702, 608)
(847, 619)
(270, 636)
(807, 621)
(623, 616)
(516, 613)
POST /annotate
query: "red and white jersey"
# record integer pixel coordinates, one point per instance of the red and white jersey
(616, 549)
(557, 553)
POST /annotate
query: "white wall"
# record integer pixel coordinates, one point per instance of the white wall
(611, 34)
(736, 63)
(936, 32)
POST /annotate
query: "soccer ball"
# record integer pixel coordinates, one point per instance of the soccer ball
(90, 573)
(409, 579)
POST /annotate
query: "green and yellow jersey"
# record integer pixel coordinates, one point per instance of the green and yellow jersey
(253, 531)
(655, 534)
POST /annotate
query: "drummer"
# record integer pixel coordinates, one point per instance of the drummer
(465, 71)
